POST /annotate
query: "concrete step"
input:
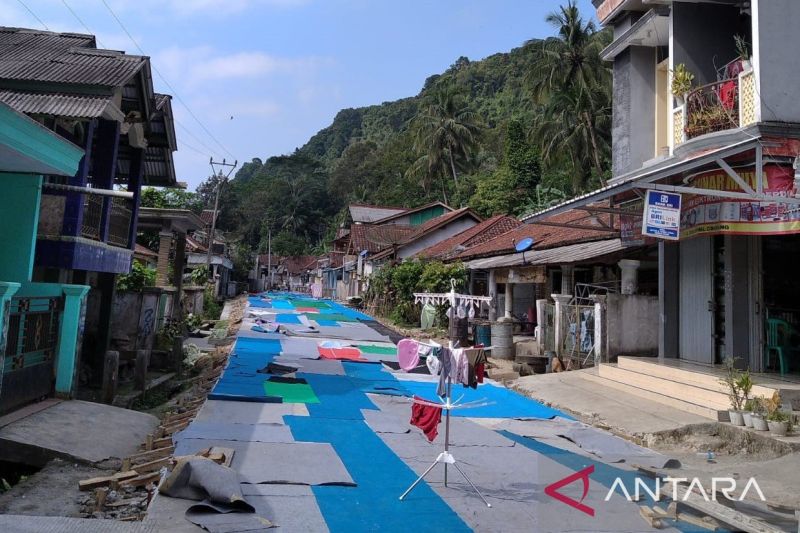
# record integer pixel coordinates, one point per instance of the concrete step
(674, 389)
(689, 407)
(685, 376)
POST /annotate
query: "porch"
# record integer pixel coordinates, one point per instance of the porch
(692, 387)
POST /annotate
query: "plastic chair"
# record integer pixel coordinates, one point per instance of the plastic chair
(779, 341)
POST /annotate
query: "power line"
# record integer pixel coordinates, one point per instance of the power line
(81, 22)
(29, 10)
(211, 151)
(171, 88)
(190, 147)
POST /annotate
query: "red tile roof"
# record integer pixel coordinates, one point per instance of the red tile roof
(263, 260)
(144, 251)
(432, 225)
(298, 264)
(376, 238)
(207, 216)
(486, 230)
(543, 236)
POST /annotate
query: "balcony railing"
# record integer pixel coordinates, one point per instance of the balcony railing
(120, 216)
(92, 216)
(712, 107)
(119, 222)
(718, 106)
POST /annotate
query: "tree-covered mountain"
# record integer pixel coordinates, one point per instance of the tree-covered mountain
(504, 134)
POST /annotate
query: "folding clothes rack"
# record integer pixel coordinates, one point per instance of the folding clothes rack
(445, 457)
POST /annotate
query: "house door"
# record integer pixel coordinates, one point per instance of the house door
(28, 368)
(696, 321)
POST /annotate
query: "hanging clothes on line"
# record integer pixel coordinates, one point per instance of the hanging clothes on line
(426, 417)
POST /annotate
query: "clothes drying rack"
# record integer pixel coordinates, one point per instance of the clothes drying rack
(445, 457)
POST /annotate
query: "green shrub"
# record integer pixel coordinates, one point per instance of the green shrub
(140, 276)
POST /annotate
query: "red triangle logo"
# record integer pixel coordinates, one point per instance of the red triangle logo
(552, 490)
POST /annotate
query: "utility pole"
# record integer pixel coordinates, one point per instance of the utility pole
(223, 178)
(269, 256)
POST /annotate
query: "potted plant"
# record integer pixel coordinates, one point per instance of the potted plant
(778, 422)
(734, 381)
(681, 82)
(743, 49)
(759, 412)
(747, 415)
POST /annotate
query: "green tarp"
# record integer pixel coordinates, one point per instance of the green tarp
(291, 392)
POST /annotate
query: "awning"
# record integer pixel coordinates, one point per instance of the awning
(664, 169)
(572, 253)
(651, 30)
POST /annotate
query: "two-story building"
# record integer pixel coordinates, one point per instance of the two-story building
(729, 147)
(103, 101)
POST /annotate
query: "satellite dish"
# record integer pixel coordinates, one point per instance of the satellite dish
(524, 245)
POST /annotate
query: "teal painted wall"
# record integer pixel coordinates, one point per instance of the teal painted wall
(19, 218)
(426, 215)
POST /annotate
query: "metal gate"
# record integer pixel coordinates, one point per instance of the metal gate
(578, 337)
(548, 327)
(28, 371)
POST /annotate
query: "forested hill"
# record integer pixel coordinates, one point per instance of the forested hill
(505, 134)
(494, 88)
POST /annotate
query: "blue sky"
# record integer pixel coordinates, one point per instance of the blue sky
(265, 75)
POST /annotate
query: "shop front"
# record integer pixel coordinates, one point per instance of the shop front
(727, 280)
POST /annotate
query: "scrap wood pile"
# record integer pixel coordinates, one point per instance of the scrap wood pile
(127, 494)
(692, 507)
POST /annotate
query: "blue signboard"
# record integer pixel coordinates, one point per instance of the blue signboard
(662, 215)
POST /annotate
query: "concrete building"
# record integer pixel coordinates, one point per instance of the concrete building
(730, 148)
(40, 323)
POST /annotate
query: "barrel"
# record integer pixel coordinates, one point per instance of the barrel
(502, 340)
(483, 333)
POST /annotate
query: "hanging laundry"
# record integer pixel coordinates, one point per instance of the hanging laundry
(433, 364)
(446, 359)
(459, 369)
(480, 371)
(428, 316)
(426, 418)
(476, 357)
(408, 354)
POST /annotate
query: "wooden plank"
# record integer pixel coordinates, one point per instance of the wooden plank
(141, 481)
(722, 513)
(162, 443)
(706, 523)
(95, 482)
(227, 454)
(151, 455)
(650, 517)
(153, 466)
(177, 417)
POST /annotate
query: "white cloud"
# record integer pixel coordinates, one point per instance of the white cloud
(202, 64)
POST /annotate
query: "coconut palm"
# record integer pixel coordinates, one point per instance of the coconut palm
(571, 58)
(577, 122)
(445, 133)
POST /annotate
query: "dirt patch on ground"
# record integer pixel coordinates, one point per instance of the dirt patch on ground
(720, 439)
(52, 491)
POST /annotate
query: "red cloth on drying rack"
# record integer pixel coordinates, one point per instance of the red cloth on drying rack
(426, 418)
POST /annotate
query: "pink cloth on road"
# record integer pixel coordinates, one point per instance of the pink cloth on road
(408, 354)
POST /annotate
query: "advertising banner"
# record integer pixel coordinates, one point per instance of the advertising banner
(662, 215)
(713, 215)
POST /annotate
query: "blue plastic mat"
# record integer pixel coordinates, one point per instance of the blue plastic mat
(340, 397)
(326, 323)
(380, 477)
(507, 403)
(287, 318)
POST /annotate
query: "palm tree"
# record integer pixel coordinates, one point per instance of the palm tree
(571, 58)
(577, 122)
(573, 87)
(445, 132)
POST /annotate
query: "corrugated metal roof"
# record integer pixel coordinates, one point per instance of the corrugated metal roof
(372, 213)
(63, 58)
(572, 253)
(70, 106)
